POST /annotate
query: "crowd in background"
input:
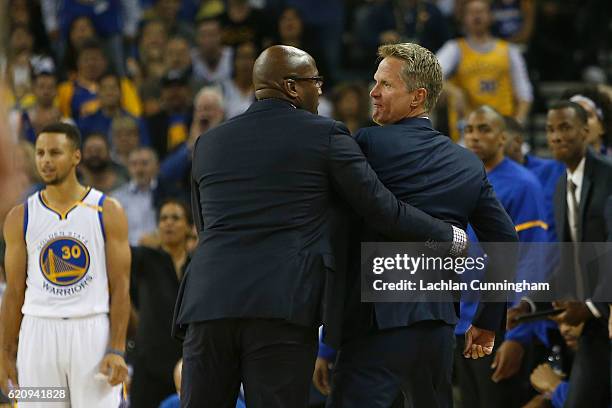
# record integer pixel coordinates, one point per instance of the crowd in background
(142, 79)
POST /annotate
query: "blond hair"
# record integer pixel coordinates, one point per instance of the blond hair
(421, 69)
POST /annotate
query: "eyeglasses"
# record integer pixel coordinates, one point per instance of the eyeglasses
(318, 80)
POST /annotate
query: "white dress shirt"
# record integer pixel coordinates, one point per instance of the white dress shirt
(573, 214)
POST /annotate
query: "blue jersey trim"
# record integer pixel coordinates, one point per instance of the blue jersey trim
(100, 213)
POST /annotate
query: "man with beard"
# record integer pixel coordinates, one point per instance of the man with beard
(97, 169)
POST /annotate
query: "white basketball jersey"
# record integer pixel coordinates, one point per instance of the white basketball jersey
(66, 271)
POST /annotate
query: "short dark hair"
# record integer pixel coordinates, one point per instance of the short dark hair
(181, 204)
(581, 114)
(97, 134)
(91, 44)
(602, 102)
(71, 132)
(513, 125)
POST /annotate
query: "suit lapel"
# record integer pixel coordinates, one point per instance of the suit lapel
(585, 192)
(561, 207)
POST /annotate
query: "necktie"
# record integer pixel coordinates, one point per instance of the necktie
(571, 187)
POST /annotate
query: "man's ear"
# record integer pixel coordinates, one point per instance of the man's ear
(584, 133)
(290, 88)
(77, 156)
(419, 97)
(503, 138)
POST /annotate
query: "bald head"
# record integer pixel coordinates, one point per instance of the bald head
(492, 116)
(274, 69)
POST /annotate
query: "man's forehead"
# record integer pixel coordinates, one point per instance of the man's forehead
(51, 138)
(388, 67)
(482, 118)
(561, 115)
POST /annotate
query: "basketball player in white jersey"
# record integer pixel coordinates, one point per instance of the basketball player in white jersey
(66, 306)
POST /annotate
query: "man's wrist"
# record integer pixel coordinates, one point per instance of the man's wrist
(527, 305)
(9, 350)
(115, 351)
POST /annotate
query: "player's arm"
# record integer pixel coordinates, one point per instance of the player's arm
(521, 85)
(15, 262)
(118, 259)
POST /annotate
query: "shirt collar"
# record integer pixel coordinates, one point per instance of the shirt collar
(578, 174)
(133, 187)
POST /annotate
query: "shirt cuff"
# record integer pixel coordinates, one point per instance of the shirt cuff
(326, 352)
(460, 242)
(592, 308)
(532, 305)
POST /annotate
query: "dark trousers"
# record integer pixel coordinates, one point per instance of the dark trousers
(149, 389)
(589, 380)
(374, 370)
(477, 388)
(273, 359)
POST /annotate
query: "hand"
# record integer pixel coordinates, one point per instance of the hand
(8, 371)
(544, 379)
(507, 361)
(539, 401)
(320, 377)
(114, 367)
(478, 342)
(574, 314)
(520, 309)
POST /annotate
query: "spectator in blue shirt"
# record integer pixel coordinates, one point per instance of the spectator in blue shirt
(548, 381)
(520, 193)
(112, 19)
(125, 138)
(547, 171)
(100, 121)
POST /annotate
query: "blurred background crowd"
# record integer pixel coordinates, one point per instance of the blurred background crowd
(142, 79)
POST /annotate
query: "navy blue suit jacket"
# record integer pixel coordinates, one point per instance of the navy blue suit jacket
(265, 191)
(426, 169)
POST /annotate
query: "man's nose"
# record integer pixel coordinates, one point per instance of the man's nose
(553, 136)
(374, 91)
